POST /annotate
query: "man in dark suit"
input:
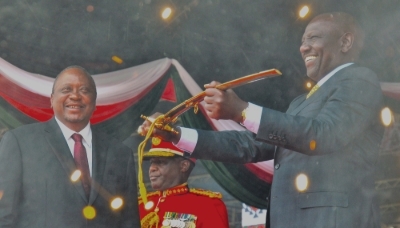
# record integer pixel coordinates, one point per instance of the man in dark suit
(49, 180)
(325, 147)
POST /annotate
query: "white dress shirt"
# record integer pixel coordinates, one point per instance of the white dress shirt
(189, 137)
(87, 140)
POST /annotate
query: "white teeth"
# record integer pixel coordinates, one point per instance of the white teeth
(308, 58)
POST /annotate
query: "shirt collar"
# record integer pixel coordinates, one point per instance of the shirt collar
(328, 76)
(86, 132)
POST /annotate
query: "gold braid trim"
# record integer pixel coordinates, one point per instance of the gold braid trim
(148, 194)
(208, 193)
(150, 220)
(158, 154)
(142, 187)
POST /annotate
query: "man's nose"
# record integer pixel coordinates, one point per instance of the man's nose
(304, 47)
(152, 168)
(75, 95)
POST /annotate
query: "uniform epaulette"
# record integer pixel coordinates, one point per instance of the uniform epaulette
(148, 194)
(204, 192)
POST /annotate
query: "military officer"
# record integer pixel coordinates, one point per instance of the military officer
(174, 204)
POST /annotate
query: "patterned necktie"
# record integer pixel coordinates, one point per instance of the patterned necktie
(315, 88)
(81, 162)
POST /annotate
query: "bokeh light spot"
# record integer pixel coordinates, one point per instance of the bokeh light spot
(304, 11)
(76, 175)
(117, 59)
(166, 13)
(1, 194)
(386, 116)
(309, 85)
(313, 144)
(301, 182)
(89, 212)
(117, 203)
(90, 8)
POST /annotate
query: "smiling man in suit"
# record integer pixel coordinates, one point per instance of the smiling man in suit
(62, 173)
(325, 147)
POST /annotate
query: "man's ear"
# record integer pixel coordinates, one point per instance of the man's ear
(346, 41)
(185, 164)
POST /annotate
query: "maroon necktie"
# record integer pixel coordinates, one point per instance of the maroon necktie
(81, 162)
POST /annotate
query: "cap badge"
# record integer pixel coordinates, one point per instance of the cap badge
(156, 141)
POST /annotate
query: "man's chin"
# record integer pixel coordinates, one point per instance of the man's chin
(73, 119)
(155, 187)
(312, 76)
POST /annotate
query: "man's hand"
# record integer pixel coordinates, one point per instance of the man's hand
(223, 104)
(165, 135)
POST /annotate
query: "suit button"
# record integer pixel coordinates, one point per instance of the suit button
(277, 166)
(270, 136)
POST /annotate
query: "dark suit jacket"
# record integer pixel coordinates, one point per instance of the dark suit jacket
(342, 120)
(35, 169)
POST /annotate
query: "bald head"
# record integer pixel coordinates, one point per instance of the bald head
(82, 70)
(330, 40)
(345, 23)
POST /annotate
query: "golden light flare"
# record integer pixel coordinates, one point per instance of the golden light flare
(89, 8)
(76, 175)
(166, 13)
(313, 144)
(1, 194)
(309, 85)
(386, 116)
(117, 203)
(304, 11)
(117, 59)
(301, 182)
(89, 212)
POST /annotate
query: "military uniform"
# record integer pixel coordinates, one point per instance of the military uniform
(185, 208)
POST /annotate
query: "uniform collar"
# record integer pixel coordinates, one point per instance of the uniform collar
(177, 190)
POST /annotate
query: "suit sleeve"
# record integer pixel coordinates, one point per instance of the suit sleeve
(10, 179)
(351, 109)
(131, 217)
(231, 146)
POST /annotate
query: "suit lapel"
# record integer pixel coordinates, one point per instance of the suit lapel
(99, 154)
(317, 94)
(304, 102)
(60, 148)
(295, 103)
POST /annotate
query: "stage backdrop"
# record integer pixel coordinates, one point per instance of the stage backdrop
(126, 94)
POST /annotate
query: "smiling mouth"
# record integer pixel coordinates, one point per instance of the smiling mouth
(309, 58)
(153, 178)
(74, 106)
